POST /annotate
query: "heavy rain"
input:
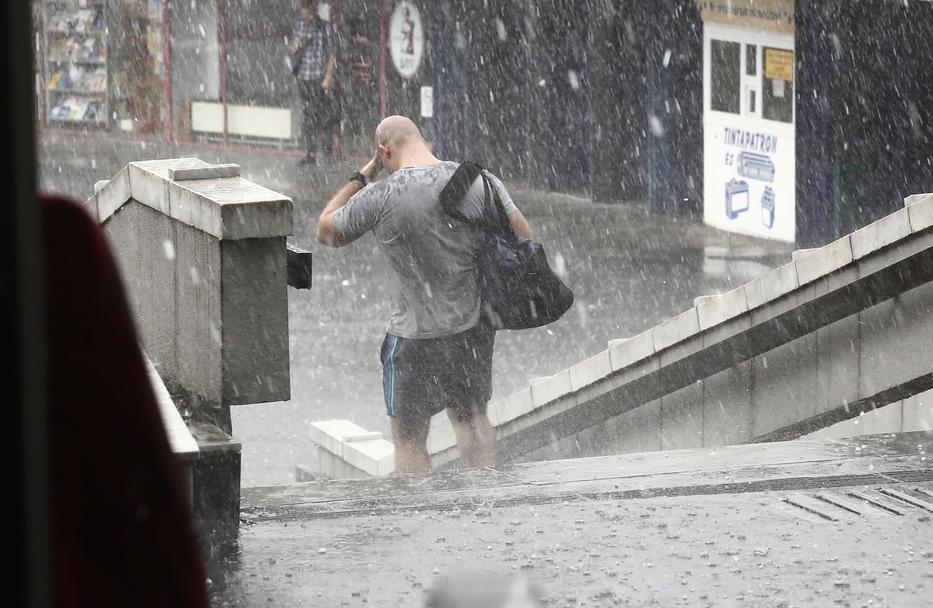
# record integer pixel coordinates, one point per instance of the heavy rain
(737, 407)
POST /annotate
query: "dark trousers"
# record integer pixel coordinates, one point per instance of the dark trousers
(316, 116)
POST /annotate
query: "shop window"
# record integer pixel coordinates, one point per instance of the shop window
(725, 70)
(777, 91)
(751, 59)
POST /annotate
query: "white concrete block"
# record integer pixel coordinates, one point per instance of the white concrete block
(626, 351)
(211, 172)
(99, 185)
(515, 405)
(441, 436)
(676, 330)
(365, 436)
(148, 188)
(545, 390)
(519, 403)
(722, 308)
(920, 212)
(800, 253)
(824, 261)
(881, 233)
(329, 434)
(375, 456)
(255, 217)
(494, 411)
(916, 198)
(91, 205)
(590, 370)
(778, 282)
(701, 299)
(196, 210)
(114, 195)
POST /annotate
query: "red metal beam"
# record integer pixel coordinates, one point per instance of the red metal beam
(222, 10)
(167, 71)
(383, 98)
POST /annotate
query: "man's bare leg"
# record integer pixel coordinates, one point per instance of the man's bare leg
(476, 437)
(411, 445)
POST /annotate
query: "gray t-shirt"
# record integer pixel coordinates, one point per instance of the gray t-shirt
(432, 256)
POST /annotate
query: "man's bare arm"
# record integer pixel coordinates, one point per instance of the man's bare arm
(327, 233)
(520, 225)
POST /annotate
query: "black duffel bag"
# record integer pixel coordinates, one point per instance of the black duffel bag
(518, 288)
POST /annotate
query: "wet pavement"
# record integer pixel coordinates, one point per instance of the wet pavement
(803, 523)
(629, 269)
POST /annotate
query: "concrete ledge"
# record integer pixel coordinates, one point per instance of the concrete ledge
(920, 211)
(180, 439)
(722, 308)
(676, 330)
(882, 233)
(362, 449)
(210, 172)
(824, 260)
(778, 282)
(590, 370)
(626, 351)
(211, 198)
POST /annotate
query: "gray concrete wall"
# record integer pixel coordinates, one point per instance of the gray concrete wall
(203, 256)
(172, 274)
(253, 297)
(840, 330)
(847, 362)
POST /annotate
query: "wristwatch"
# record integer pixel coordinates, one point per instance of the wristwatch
(359, 177)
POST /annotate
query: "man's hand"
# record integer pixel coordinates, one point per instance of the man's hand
(373, 167)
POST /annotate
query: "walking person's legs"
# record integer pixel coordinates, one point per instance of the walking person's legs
(476, 437)
(411, 445)
(309, 130)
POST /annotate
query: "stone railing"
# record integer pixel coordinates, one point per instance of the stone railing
(838, 331)
(204, 259)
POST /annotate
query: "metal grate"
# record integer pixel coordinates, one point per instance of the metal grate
(863, 503)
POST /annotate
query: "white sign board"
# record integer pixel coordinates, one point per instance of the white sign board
(749, 178)
(427, 102)
(406, 39)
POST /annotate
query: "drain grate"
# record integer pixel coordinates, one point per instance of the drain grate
(863, 503)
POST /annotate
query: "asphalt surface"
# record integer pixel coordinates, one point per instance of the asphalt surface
(803, 523)
(629, 268)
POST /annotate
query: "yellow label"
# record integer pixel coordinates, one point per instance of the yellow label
(779, 64)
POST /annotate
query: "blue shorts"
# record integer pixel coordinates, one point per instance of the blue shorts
(421, 377)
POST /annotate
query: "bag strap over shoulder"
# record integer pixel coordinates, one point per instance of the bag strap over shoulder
(456, 189)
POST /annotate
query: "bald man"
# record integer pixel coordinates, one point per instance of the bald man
(437, 353)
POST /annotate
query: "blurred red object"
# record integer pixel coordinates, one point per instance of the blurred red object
(122, 527)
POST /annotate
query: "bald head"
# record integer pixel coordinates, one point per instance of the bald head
(401, 144)
(397, 131)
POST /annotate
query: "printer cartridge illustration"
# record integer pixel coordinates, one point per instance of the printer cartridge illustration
(756, 166)
(736, 198)
(767, 207)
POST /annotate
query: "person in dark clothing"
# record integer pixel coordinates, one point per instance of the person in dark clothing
(314, 59)
(122, 530)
